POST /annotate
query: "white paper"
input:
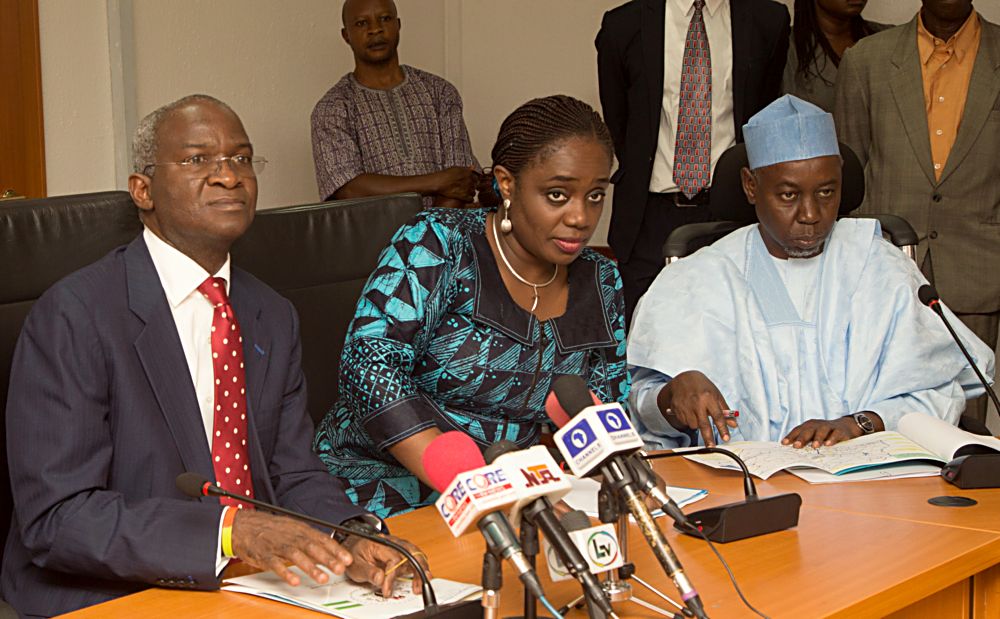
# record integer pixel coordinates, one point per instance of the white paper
(940, 437)
(922, 444)
(342, 598)
(764, 459)
(583, 496)
(898, 471)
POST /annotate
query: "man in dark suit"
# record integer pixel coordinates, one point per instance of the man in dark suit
(678, 80)
(159, 359)
(920, 105)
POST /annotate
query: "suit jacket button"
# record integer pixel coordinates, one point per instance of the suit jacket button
(936, 197)
(932, 235)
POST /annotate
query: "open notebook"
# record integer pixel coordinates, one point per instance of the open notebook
(343, 598)
(919, 448)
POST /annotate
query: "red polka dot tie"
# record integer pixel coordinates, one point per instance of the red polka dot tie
(229, 430)
(693, 146)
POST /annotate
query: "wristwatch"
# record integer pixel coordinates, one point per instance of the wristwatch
(359, 524)
(864, 422)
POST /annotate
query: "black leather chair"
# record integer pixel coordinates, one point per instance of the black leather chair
(318, 256)
(42, 241)
(731, 211)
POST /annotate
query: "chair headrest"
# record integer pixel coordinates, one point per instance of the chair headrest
(729, 203)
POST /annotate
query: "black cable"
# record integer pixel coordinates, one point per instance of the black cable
(577, 604)
(749, 489)
(732, 577)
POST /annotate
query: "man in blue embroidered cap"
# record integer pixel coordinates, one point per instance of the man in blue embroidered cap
(808, 326)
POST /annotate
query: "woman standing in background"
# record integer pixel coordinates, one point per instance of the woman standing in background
(822, 31)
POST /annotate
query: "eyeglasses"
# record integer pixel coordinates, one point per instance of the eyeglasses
(244, 166)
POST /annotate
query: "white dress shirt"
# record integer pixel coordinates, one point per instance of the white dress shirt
(718, 28)
(180, 277)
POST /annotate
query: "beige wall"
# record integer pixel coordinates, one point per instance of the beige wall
(273, 64)
(107, 62)
(76, 91)
(272, 60)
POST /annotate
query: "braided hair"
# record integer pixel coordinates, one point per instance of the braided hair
(807, 36)
(537, 128)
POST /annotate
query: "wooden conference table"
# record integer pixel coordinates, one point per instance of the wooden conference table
(869, 549)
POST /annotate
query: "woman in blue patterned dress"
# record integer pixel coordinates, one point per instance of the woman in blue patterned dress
(471, 314)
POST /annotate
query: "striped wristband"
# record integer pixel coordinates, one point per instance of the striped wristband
(227, 532)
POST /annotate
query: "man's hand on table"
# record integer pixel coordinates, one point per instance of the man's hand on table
(692, 401)
(827, 432)
(380, 565)
(273, 543)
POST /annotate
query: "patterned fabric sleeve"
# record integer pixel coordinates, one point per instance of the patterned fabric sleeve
(455, 145)
(399, 310)
(609, 378)
(336, 153)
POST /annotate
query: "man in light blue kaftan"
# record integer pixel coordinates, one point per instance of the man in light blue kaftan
(799, 322)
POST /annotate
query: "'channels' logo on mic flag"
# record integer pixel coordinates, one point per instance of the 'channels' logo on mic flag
(578, 437)
(614, 419)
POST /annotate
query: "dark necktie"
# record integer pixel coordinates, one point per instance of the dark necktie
(229, 431)
(693, 146)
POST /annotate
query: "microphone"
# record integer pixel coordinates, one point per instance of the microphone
(197, 486)
(598, 545)
(750, 517)
(476, 495)
(929, 297)
(540, 471)
(970, 470)
(597, 439)
(651, 484)
(645, 477)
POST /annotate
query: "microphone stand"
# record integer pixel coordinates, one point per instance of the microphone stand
(528, 536)
(529, 546)
(492, 583)
(609, 512)
(616, 585)
(935, 305)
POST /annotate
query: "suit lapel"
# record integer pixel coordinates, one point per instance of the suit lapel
(256, 338)
(256, 356)
(984, 88)
(907, 88)
(162, 358)
(651, 30)
(739, 17)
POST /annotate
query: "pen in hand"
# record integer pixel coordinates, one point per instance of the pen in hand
(728, 414)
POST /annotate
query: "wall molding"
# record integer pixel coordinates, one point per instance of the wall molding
(121, 60)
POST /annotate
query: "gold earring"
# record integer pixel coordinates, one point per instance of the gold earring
(505, 225)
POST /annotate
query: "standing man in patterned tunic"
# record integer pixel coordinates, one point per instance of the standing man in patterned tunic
(390, 128)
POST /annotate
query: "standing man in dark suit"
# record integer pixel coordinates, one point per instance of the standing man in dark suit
(920, 105)
(678, 80)
(158, 359)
